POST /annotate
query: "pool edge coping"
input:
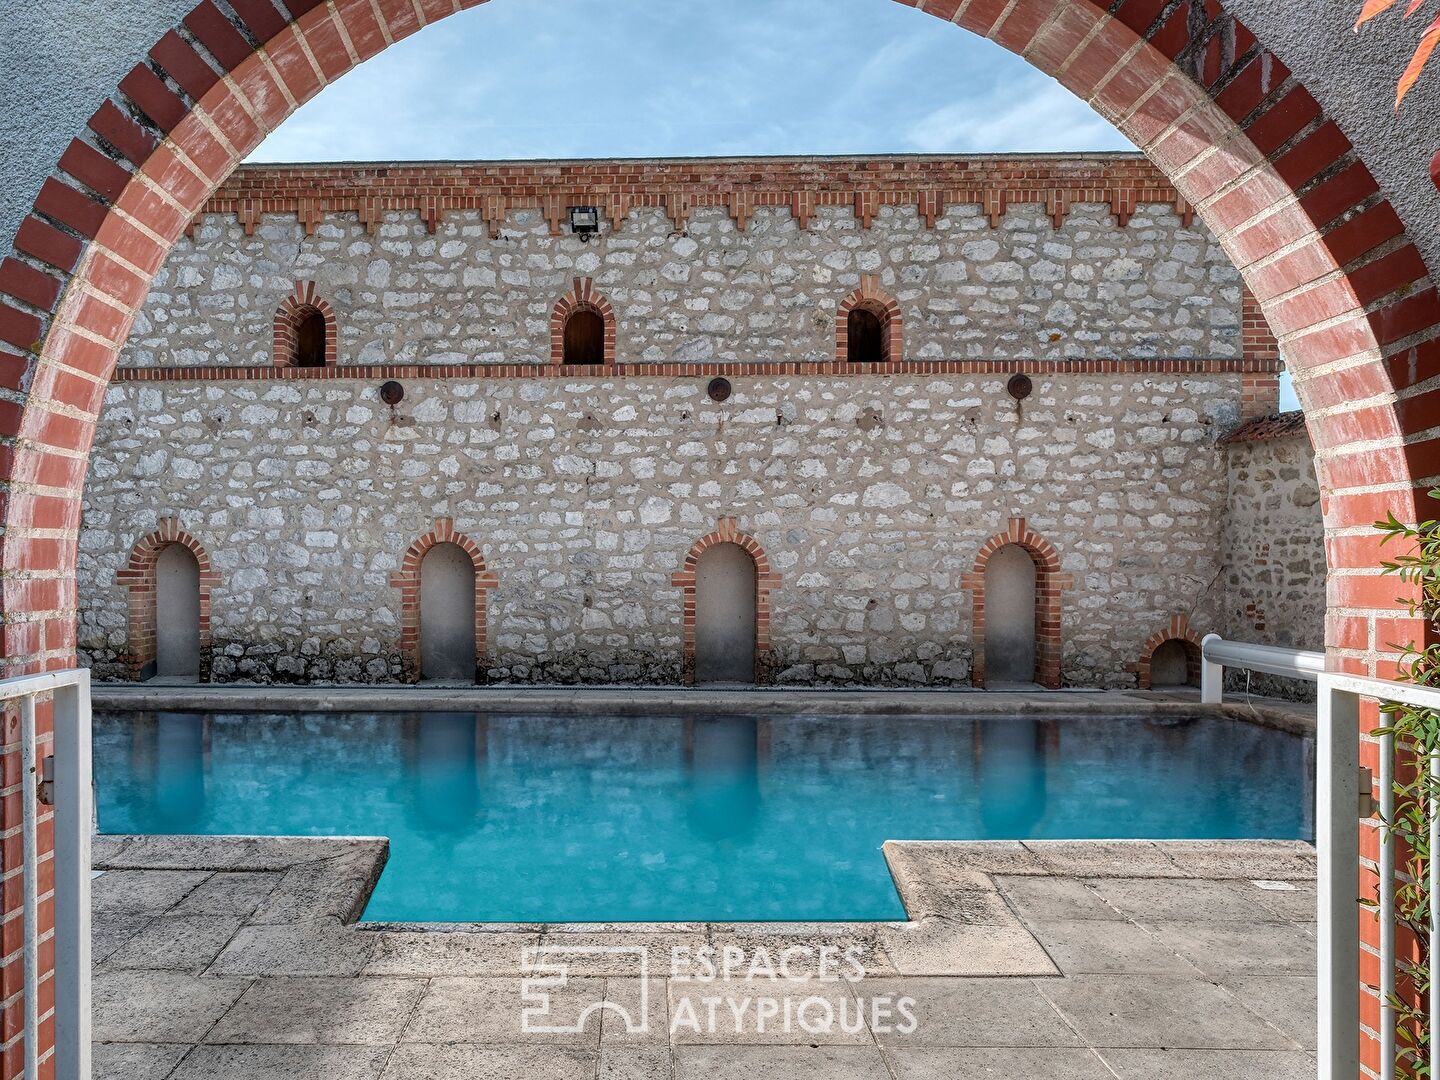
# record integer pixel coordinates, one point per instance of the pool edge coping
(959, 923)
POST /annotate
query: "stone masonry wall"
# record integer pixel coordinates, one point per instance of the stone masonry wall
(1024, 289)
(871, 495)
(1273, 590)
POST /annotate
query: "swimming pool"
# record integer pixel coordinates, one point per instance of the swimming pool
(497, 818)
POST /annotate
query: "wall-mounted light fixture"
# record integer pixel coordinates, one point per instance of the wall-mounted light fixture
(584, 222)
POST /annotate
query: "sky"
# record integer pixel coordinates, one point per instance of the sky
(618, 78)
(585, 78)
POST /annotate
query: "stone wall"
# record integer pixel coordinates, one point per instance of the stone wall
(1273, 589)
(870, 495)
(996, 282)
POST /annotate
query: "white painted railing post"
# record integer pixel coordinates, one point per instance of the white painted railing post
(1212, 675)
(74, 823)
(1337, 839)
(72, 796)
(1386, 912)
(29, 875)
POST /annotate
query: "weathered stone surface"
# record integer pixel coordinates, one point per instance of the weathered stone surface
(159, 1006)
(311, 492)
(1274, 555)
(1090, 288)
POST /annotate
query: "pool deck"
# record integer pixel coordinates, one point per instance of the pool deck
(229, 957)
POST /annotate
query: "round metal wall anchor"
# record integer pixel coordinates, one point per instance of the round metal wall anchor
(719, 389)
(392, 393)
(1019, 387)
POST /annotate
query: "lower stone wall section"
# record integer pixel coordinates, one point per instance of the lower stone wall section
(871, 497)
(1274, 548)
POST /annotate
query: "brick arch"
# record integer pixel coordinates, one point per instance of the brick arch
(871, 297)
(1178, 630)
(766, 579)
(407, 580)
(1050, 581)
(292, 311)
(1244, 142)
(583, 296)
(138, 577)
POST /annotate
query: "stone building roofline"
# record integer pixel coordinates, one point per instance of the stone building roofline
(1066, 156)
(927, 184)
(1282, 425)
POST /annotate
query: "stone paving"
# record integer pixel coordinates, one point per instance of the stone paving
(219, 958)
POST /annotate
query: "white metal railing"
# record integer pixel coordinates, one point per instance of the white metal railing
(1339, 787)
(64, 780)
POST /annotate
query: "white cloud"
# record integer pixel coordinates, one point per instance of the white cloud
(1042, 115)
(615, 78)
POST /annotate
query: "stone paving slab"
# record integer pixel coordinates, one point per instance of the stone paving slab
(1210, 1065)
(1007, 1063)
(239, 957)
(794, 1063)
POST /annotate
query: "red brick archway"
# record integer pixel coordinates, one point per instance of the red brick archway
(139, 579)
(1050, 581)
(1245, 144)
(766, 579)
(294, 309)
(407, 580)
(583, 296)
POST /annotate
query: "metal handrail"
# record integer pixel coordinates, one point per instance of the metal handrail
(64, 780)
(1216, 654)
(1339, 783)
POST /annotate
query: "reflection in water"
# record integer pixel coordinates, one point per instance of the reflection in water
(722, 761)
(606, 818)
(172, 750)
(445, 759)
(1010, 769)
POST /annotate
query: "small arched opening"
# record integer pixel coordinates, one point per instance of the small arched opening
(1016, 588)
(1010, 645)
(725, 615)
(868, 326)
(444, 585)
(177, 613)
(1170, 665)
(447, 614)
(304, 331)
(310, 335)
(865, 337)
(584, 337)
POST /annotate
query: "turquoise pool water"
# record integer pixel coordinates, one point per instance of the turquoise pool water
(527, 819)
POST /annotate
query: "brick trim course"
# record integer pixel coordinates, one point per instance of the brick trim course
(830, 369)
(678, 187)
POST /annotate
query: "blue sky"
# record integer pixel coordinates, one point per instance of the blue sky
(586, 78)
(582, 78)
